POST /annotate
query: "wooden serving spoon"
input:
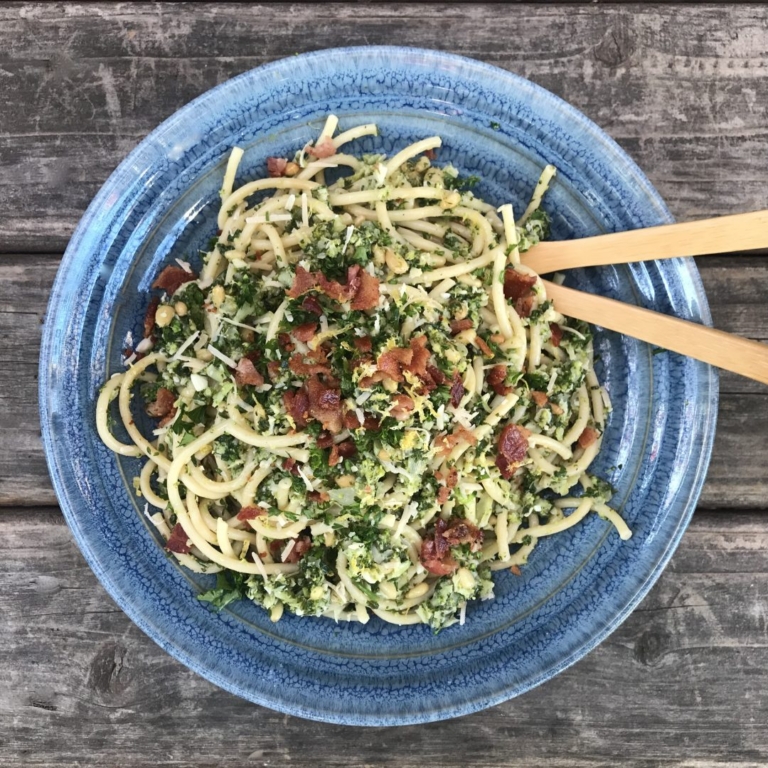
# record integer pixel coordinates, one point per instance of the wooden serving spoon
(726, 234)
(744, 231)
(725, 350)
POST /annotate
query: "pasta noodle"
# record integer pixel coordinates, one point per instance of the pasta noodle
(365, 403)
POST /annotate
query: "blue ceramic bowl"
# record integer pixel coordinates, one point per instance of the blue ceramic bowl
(161, 203)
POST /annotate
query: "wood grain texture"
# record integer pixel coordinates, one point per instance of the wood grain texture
(25, 282)
(737, 288)
(682, 88)
(682, 682)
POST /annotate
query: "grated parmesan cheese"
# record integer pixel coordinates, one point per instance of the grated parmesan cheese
(260, 565)
(350, 230)
(198, 382)
(144, 346)
(224, 358)
(183, 348)
(306, 480)
(287, 551)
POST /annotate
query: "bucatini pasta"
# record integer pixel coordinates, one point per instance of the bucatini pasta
(364, 402)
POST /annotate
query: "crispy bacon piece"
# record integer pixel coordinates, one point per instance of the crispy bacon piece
(324, 404)
(246, 373)
(413, 359)
(324, 439)
(337, 291)
(393, 361)
(368, 381)
(168, 418)
(464, 532)
(496, 377)
(516, 570)
(457, 390)
(250, 513)
(319, 497)
(273, 369)
(483, 346)
(303, 281)
(276, 166)
(524, 306)
(162, 404)
(431, 154)
(557, 334)
(402, 407)
(290, 465)
(418, 364)
(444, 444)
(178, 541)
(363, 343)
(367, 295)
(518, 288)
(587, 437)
(324, 148)
(149, 317)
(457, 326)
(311, 304)
(513, 442)
(296, 404)
(435, 553)
(305, 331)
(285, 342)
(513, 448)
(300, 548)
(517, 285)
(351, 421)
(343, 450)
(319, 364)
(555, 408)
(354, 280)
(361, 288)
(370, 423)
(540, 398)
(436, 374)
(451, 479)
(171, 278)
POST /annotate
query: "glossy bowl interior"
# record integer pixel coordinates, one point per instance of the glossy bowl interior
(161, 204)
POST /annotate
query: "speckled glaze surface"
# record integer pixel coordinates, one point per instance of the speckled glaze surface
(161, 203)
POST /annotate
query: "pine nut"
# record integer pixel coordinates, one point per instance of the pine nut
(418, 591)
(164, 315)
(217, 295)
(395, 262)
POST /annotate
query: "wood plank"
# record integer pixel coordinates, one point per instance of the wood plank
(682, 682)
(737, 288)
(25, 283)
(82, 84)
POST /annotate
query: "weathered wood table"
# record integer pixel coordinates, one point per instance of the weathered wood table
(684, 681)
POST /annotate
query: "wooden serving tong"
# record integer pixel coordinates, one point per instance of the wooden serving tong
(727, 234)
